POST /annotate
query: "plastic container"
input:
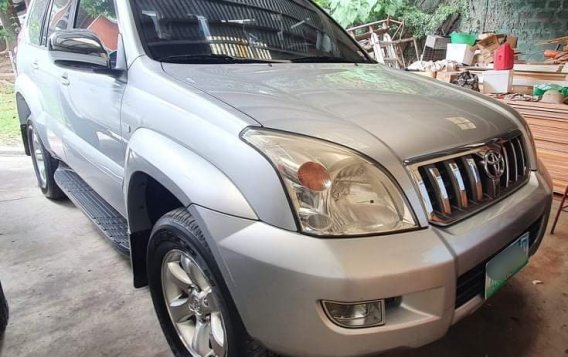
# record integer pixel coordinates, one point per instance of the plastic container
(504, 58)
(460, 53)
(540, 89)
(498, 81)
(463, 38)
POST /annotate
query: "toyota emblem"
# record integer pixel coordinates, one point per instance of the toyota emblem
(494, 164)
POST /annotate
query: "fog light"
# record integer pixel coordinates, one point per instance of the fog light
(356, 315)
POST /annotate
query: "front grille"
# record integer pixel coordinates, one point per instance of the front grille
(472, 283)
(458, 185)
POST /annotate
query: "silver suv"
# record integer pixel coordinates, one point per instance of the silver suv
(276, 189)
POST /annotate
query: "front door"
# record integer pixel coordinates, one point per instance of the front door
(91, 105)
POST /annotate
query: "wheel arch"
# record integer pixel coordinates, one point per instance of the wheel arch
(163, 176)
(147, 201)
(28, 105)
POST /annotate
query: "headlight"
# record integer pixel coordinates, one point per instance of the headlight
(334, 191)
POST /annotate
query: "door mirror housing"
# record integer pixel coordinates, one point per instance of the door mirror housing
(80, 49)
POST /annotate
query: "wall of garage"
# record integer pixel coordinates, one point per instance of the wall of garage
(532, 21)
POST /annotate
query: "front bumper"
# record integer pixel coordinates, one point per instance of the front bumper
(277, 278)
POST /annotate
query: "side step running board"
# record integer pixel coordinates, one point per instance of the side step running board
(106, 218)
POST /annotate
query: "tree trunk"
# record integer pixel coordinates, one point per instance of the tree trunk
(10, 22)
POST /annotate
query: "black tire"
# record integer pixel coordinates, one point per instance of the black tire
(4, 313)
(47, 185)
(178, 230)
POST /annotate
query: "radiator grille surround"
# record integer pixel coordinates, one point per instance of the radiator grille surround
(454, 186)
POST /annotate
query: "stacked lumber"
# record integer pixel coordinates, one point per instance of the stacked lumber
(549, 125)
(560, 56)
(556, 56)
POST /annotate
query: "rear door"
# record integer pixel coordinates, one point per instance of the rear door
(57, 18)
(91, 105)
(36, 70)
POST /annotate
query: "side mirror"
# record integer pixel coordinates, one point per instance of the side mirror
(80, 49)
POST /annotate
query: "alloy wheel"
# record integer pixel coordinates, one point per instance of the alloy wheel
(39, 159)
(192, 306)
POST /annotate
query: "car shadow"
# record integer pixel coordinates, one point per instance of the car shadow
(65, 202)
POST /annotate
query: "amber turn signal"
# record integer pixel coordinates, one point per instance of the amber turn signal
(314, 176)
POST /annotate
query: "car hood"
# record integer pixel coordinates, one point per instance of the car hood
(411, 115)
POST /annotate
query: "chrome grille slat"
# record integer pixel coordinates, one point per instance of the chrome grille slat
(515, 170)
(424, 193)
(523, 164)
(507, 174)
(474, 178)
(457, 185)
(457, 182)
(441, 194)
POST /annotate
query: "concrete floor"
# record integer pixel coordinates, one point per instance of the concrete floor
(71, 293)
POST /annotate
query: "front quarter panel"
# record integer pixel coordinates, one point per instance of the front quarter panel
(192, 179)
(197, 131)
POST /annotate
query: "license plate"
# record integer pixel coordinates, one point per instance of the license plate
(506, 264)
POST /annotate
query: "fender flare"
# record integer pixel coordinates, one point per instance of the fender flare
(187, 175)
(27, 91)
(28, 105)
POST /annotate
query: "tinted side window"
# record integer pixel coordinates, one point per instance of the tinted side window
(58, 17)
(99, 16)
(35, 20)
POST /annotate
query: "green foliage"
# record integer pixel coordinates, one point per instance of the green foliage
(9, 124)
(7, 33)
(3, 33)
(356, 12)
(95, 8)
(422, 23)
(349, 12)
(322, 3)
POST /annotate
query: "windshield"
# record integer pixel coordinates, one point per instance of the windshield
(253, 30)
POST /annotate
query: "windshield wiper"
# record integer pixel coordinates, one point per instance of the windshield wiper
(324, 59)
(210, 59)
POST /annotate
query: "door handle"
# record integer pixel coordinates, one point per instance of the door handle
(65, 79)
(35, 65)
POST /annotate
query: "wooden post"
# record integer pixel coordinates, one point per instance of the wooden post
(416, 48)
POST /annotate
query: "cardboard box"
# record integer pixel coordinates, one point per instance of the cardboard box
(460, 53)
(487, 56)
(512, 41)
(497, 81)
(424, 74)
(447, 76)
(489, 43)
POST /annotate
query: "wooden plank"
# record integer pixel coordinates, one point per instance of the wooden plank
(556, 163)
(533, 81)
(543, 68)
(549, 146)
(551, 123)
(549, 126)
(544, 135)
(539, 105)
(542, 108)
(543, 115)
